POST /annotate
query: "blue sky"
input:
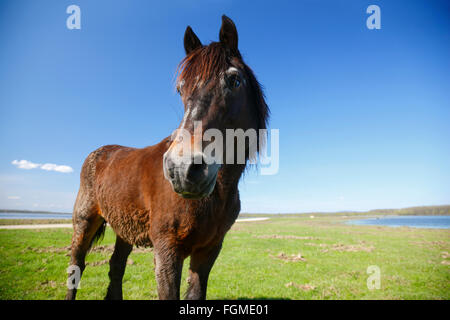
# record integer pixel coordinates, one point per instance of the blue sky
(363, 114)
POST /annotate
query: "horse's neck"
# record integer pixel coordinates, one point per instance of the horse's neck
(229, 176)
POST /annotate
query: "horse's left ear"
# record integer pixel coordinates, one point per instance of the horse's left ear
(228, 34)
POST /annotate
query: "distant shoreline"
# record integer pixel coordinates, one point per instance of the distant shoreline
(441, 210)
(31, 211)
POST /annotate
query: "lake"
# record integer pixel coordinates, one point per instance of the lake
(435, 222)
(27, 215)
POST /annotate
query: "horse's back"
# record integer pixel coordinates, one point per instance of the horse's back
(111, 178)
(86, 204)
(115, 161)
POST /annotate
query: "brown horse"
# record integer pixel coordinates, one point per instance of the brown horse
(149, 199)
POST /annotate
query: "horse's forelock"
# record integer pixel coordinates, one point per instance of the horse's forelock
(203, 64)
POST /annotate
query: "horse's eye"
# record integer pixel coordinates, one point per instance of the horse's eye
(180, 86)
(234, 81)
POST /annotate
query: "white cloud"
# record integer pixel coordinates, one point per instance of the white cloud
(25, 164)
(55, 167)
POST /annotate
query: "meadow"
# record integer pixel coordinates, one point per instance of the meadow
(280, 258)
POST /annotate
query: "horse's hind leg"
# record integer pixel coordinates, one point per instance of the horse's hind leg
(86, 223)
(117, 266)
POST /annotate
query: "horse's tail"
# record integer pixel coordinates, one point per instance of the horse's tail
(99, 234)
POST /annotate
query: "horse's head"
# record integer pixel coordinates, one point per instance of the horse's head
(219, 92)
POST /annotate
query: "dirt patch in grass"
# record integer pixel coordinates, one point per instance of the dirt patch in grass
(109, 249)
(106, 249)
(97, 263)
(329, 292)
(426, 244)
(51, 249)
(49, 283)
(106, 261)
(289, 258)
(445, 255)
(349, 248)
(316, 244)
(343, 247)
(304, 287)
(361, 233)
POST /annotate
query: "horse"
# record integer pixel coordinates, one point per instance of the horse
(179, 209)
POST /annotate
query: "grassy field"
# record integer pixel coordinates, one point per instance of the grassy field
(281, 258)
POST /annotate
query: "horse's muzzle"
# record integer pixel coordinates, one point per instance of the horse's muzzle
(191, 178)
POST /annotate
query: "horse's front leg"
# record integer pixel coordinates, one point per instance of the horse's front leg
(200, 266)
(168, 268)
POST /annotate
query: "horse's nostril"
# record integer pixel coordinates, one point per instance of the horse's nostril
(199, 167)
(196, 171)
(169, 168)
(168, 163)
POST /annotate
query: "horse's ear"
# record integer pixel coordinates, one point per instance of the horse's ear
(228, 34)
(191, 41)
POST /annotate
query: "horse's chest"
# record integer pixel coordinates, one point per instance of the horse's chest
(203, 232)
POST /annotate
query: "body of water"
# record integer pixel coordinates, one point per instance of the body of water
(26, 215)
(437, 222)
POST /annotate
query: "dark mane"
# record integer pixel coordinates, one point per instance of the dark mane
(208, 62)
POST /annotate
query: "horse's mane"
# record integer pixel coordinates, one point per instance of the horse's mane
(208, 62)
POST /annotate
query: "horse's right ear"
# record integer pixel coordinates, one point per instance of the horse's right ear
(191, 41)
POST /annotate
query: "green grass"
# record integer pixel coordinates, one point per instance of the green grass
(414, 263)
